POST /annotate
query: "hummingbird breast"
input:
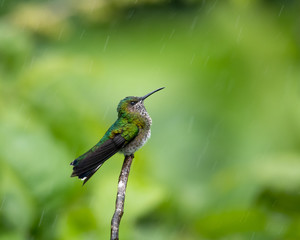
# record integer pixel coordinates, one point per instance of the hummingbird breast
(142, 137)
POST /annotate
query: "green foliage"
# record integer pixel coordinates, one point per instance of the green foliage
(223, 160)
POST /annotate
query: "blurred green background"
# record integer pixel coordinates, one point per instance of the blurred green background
(224, 158)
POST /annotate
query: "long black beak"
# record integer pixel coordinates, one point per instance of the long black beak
(147, 95)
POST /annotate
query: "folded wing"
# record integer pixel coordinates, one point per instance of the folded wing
(87, 164)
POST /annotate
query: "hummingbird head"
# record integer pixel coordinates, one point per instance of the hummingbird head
(133, 104)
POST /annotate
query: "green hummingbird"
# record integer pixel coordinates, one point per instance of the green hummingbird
(129, 133)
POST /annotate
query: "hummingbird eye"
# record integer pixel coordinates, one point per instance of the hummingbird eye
(132, 103)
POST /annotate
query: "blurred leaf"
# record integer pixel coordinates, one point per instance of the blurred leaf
(15, 47)
(46, 20)
(228, 223)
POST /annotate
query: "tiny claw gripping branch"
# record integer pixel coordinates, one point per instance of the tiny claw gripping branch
(116, 219)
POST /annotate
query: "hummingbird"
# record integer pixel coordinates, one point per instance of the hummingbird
(129, 133)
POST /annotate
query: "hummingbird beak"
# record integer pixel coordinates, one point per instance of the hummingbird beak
(147, 95)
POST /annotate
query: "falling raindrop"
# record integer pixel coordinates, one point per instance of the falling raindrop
(130, 14)
(203, 152)
(82, 34)
(162, 48)
(60, 33)
(206, 60)
(281, 9)
(239, 37)
(194, 23)
(106, 42)
(245, 217)
(172, 34)
(42, 216)
(274, 203)
(212, 7)
(55, 221)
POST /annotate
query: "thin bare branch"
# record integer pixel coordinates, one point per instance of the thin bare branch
(116, 219)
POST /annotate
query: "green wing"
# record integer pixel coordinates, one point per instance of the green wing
(117, 136)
